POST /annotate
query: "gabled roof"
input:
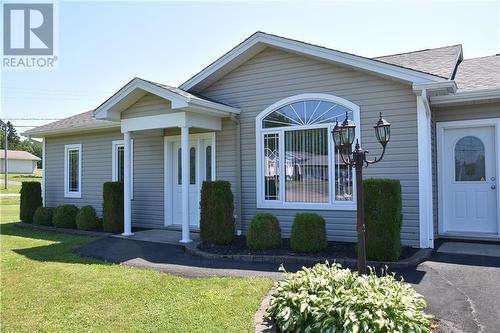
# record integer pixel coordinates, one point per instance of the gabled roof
(79, 122)
(18, 155)
(479, 73)
(137, 88)
(440, 61)
(259, 41)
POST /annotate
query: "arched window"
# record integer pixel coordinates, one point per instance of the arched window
(297, 166)
(469, 160)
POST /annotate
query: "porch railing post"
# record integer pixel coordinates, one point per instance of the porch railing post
(127, 204)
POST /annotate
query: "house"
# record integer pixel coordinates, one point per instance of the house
(18, 161)
(266, 108)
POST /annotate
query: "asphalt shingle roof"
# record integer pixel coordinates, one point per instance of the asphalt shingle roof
(18, 155)
(77, 121)
(439, 61)
(478, 73)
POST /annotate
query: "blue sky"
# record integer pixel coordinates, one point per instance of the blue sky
(102, 45)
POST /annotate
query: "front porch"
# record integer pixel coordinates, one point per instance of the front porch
(188, 123)
(164, 236)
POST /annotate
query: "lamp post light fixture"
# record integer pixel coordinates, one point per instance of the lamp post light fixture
(343, 137)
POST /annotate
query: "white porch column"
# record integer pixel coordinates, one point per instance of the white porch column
(185, 184)
(127, 204)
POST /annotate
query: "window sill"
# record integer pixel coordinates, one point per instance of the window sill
(77, 195)
(346, 206)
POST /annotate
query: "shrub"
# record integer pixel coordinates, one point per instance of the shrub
(112, 207)
(264, 232)
(327, 298)
(86, 219)
(43, 215)
(31, 199)
(64, 216)
(382, 204)
(308, 233)
(216, 215)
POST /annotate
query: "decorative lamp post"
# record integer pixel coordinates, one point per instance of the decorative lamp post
(343, 137)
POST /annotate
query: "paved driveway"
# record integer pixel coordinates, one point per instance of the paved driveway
(462, 291)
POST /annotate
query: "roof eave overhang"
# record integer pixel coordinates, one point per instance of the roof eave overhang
(135, 89)
(70, 130)
(467, 97)
(446, 87)
(261, 40)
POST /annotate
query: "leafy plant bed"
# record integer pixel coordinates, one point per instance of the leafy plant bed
(333, 250)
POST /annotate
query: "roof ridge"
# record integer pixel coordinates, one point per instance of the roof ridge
(488, 56)
(416, 51)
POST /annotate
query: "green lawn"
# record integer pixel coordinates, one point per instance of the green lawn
(18, 178)
(45, 287)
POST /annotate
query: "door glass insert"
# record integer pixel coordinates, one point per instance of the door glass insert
(192, 165)
(469, 160)
(208, 163)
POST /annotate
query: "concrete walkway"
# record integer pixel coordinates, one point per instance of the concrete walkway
(463, 291)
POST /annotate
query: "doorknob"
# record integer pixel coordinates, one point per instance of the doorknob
(493, 186)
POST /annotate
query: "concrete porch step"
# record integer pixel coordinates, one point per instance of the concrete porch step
(159, 236)
(469, 248)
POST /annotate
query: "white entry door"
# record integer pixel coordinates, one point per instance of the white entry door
(469, 194)
(201, 162)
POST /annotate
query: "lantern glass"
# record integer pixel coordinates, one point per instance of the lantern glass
(383, 131)
(348, 132)
(336, 136)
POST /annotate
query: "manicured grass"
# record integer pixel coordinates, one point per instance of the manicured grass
(11, 189)
(48, 288)
(21, 177)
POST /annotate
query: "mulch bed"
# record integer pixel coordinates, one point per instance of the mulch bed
(333, 250)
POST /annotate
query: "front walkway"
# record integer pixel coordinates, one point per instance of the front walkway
(165, 236)
(463, 291)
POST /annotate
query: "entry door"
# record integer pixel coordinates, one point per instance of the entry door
(201, 160)
(469, 181)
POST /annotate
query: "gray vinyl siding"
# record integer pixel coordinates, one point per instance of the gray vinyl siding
(273, 75)
(149, 105)
(455, 113)
(96, 168)
(147, 205)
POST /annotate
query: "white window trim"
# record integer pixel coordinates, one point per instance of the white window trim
(332, 204)
(67, 192)
(114, 163)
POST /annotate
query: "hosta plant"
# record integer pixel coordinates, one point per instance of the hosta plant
(327, 298)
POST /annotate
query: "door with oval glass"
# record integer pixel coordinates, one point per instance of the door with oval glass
(201, 160)
(469, 182)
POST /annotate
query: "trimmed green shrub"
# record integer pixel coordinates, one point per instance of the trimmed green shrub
(216, 212)
(382, 204)
(327, 298)
(64, 216)
(264, 232)
(112, 207)
(86, 219)
(31, 199)
(308, 233)
(43, 215)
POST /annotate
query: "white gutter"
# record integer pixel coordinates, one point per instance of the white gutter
(69, 130)
(464, 97)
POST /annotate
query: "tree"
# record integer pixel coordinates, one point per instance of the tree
(13, 138)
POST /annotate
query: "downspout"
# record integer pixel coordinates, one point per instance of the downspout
(426, 211)
(237, 216)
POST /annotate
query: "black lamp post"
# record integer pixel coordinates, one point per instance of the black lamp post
(343, 137)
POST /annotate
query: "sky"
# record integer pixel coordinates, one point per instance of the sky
(103, 45)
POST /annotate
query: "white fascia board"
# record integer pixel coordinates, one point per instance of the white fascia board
(214, 107)
(448, 86)
(351, 60)
(467, 97)
(203, 121)
(177, 119)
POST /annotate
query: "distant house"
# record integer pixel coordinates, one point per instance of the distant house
(18, 161)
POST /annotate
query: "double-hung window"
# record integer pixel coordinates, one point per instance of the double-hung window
(298, 166)
(118, 158)
(73, 171)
